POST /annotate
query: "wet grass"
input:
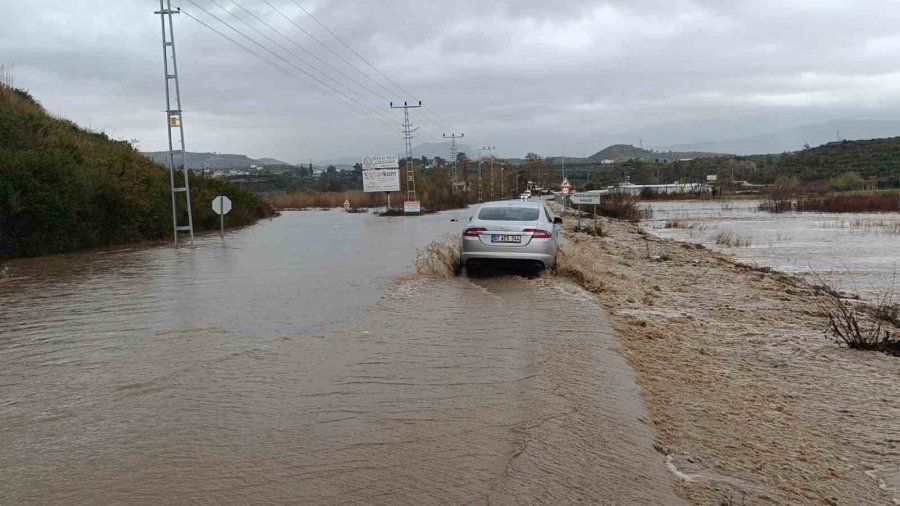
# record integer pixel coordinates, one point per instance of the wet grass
(866, 225)
(731, 239)
(858, 202)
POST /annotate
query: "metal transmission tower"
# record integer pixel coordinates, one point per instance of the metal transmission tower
(453, 153)
(408, 131)
(174, 121)
(489, 149)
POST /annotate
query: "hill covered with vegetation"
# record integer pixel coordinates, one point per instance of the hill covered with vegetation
(64, 188)
(873, 160)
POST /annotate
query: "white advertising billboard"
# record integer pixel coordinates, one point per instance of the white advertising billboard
(585, 199)
(381, 180)
(381, 162)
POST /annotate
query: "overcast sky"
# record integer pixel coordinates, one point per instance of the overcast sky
(523, 75)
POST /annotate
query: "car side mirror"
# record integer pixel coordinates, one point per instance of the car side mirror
(557, 221)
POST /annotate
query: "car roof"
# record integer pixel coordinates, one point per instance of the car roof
(512, 203)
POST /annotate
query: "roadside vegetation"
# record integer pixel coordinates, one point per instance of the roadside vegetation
(623, 206)
(64, 188)
(859, 326)
(732, 239)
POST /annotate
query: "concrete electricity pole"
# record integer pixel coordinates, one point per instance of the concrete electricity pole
(174, 120)
(408, 137)
(454, 175)
(489, 149)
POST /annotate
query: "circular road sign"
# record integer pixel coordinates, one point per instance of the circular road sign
(221, 205)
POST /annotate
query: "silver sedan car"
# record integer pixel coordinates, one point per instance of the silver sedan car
(511, 232)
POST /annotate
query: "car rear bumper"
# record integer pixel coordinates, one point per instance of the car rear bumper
(497, 257)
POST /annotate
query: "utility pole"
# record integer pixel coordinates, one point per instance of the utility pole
(174, 120)
(454, 174)
(480, 179)
(408, 131)
(489, 149)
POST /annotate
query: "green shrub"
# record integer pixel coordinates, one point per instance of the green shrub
(64, 188)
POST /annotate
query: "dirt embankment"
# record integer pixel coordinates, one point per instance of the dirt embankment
(751, 401)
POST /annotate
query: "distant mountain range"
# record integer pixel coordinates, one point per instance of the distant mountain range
(427, 149)
(793, 139)
(215, 160)
(623, 152)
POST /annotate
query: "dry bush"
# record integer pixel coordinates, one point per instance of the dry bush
(623, 206)
(440, 259)
(676, 223)
(887, 202)
(730, 239)
(848, 324)
(777, 206)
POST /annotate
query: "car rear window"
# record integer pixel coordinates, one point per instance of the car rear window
(509, 213)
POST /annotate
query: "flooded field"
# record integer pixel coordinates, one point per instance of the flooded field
(854, 252)
(300, 361)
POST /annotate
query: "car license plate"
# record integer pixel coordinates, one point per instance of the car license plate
(515, 239)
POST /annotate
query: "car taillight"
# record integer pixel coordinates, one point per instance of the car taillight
(474, 231)
(537, 233)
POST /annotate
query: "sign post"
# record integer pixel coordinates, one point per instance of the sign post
(566, 188)
(586, 199)
(222, 206)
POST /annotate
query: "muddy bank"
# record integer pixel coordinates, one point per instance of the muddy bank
(751, 401)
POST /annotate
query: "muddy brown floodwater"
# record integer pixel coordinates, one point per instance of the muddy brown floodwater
(297, 364)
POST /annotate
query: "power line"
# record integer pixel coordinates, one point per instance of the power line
(337, 95)
(380, 96)
(330, 87)
(367, 62)
(279, 67)
(439, 123)
(432, 135)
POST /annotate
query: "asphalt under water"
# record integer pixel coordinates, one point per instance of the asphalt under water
(289, 365)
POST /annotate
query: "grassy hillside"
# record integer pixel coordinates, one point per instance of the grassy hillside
(64, 188)
(874, 159)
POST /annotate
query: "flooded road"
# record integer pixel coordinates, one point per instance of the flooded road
(855, 252)
(290, 365)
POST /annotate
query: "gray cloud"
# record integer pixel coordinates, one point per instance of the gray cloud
(568, 76)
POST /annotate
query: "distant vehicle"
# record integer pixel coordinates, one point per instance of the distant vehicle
(510, 232)
(525, 195)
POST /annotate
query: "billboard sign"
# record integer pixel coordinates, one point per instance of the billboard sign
(412, 206)
(585, 199)
(381, 162)
(381, 180)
